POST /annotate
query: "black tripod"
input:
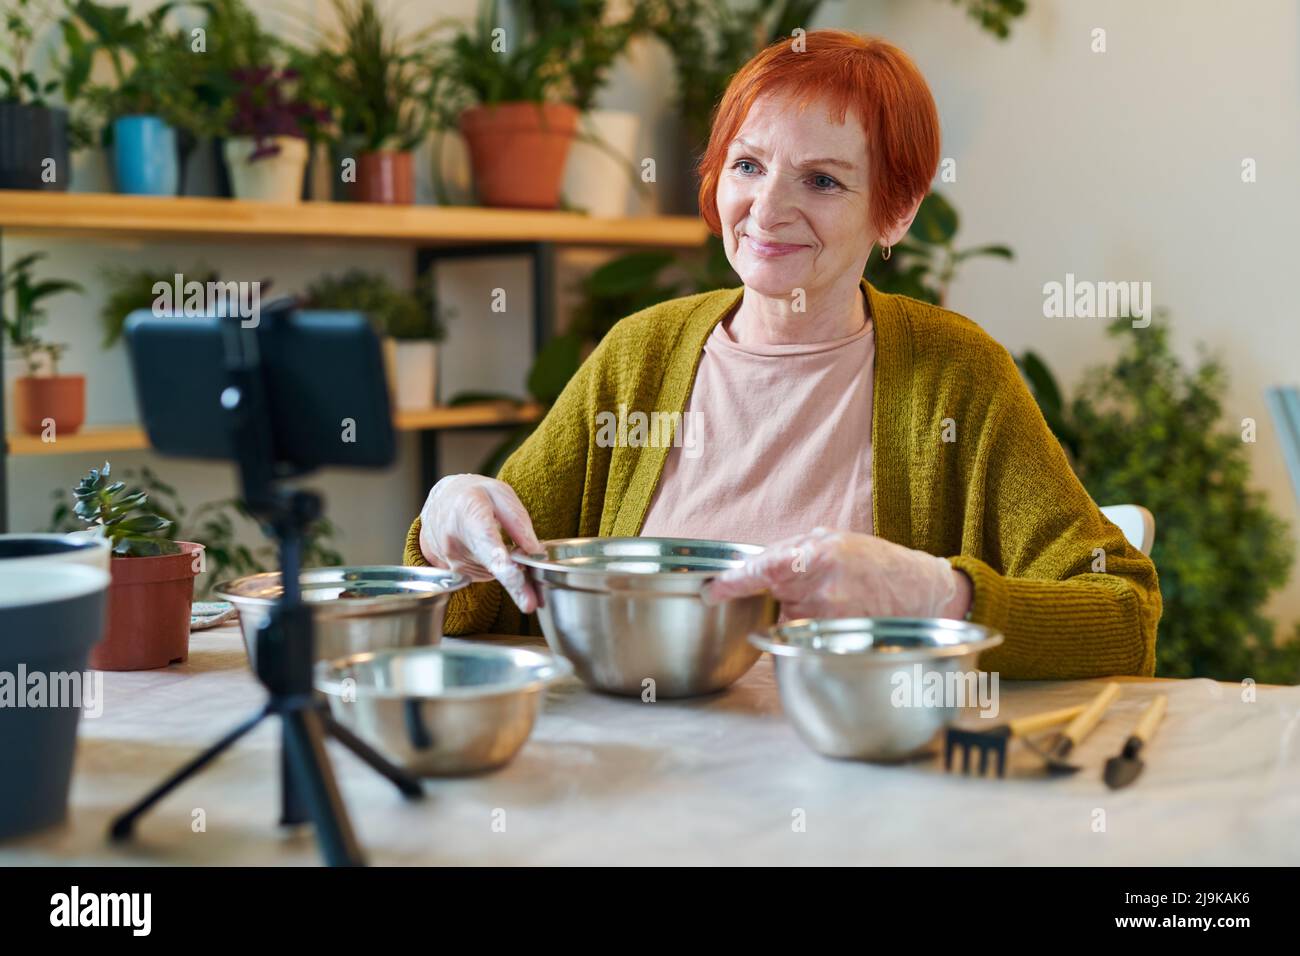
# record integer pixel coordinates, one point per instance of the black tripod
(284, 645)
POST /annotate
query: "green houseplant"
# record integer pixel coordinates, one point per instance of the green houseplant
(130, 289)
(35, 132)
(382, 86)
(261, 104)
(268, 135)
(508, 94)
(411, 322)
(1148, 430)
(152, 577)
(217, 526)
(600, 173)
(149, 107)
(924, 264)
(45, 402)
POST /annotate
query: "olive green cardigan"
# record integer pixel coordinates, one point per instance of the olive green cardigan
(963, 467)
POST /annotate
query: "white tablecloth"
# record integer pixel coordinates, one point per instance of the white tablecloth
(717, 780)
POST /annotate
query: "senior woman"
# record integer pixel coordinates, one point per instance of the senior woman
(884, 450)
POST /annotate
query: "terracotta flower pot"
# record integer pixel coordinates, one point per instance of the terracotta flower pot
(148, 611)
(59, 398)
(518, 152)
(385, 176)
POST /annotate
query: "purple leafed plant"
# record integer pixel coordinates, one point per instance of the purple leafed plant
(267, 105)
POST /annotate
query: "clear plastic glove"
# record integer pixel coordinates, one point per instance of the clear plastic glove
(460, 529)
(846, 574)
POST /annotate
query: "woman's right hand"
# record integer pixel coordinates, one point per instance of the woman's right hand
(460, 529)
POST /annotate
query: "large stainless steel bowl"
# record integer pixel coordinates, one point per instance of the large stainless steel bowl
(864, 688)
(454, 709)
(627, 611)
(353, 609)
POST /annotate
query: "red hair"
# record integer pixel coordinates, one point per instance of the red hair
(878, 80)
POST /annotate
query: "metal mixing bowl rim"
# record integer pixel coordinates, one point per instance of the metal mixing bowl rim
(772, 642)
(455, 582)
(560, 667)
(538, 560)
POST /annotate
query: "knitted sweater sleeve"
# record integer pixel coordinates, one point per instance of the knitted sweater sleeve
(1073, 598)
(549, 472)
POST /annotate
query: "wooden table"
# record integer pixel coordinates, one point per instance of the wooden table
(717, 780)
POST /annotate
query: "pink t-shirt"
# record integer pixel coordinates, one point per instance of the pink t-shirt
(782, 442)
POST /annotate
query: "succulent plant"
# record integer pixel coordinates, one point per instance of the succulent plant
(134, 531)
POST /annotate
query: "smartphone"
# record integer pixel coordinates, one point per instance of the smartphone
(322, 376)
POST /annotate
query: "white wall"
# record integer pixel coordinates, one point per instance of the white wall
(1122, 165)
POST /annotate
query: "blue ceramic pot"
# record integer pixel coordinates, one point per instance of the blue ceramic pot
(51, 614)
(145, 158)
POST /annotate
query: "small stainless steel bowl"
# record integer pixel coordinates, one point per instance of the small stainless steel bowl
(457, 708)
(353, 609)
(628, 610)
(864, 688)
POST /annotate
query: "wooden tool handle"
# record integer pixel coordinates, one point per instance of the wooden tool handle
(1151, 718)
(1082, 725)
(1050, 718)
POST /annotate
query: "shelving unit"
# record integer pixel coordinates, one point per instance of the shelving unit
(108, 438)
(433, 233)
(107, 215)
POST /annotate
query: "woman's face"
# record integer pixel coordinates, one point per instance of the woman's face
(792, 199)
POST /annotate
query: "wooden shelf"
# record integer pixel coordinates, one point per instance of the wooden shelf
(25, 212)
(107, 438)
(89, 438)
(468, 416)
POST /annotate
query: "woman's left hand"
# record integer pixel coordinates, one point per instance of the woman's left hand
(846, 574)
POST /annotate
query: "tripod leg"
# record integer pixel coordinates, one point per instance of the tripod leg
(407, 783)
(124, 824)
(292, 810)
(314, 780)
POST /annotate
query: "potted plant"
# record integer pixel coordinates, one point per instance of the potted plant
(382, 87)
(218, 526)
(236, 43)
(1150, 427)
(267, 145)
(600, 173)
(924, 263)
(51, 614)
(152, 577)
(149, 106)
(42, 397)
(508, 103)
(411, 322)
(130, 289)
(33, 134)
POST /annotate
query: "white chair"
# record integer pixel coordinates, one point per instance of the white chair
(1138, 524)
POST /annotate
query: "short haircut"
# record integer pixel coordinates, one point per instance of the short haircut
(878, 80)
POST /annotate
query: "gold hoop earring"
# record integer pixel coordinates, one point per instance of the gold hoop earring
(886, 252)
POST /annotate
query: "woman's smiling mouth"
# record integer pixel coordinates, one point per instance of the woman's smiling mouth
(772, 250)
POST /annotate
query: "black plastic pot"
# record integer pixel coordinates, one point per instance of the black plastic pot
(50, 617)
(29, 135)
